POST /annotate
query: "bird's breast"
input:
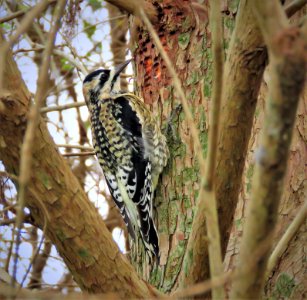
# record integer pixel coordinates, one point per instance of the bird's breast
(110, 143)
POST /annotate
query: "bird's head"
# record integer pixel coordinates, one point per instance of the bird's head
(102, 83)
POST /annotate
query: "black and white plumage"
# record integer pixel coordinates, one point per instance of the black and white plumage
(130, 148)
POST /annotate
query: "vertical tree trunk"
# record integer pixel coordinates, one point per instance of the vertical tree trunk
(183, 30)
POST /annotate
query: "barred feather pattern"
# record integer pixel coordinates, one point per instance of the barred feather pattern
(132, 153)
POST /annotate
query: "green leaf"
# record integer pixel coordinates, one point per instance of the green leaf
(66, 65)
(6, 26)
(95, 4)
(89, 29)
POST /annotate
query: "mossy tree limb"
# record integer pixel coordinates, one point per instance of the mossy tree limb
(206, 207)
(246, 57)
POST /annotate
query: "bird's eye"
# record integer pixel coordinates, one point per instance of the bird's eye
(103, 78)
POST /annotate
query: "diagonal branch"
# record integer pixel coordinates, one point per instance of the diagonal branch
(283, 243)
(75, 226)
(133, 7)
(287, 53)
(24, 26)
(294, 6)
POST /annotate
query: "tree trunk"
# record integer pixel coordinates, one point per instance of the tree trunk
(184, 33)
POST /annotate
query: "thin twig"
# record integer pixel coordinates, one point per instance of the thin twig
(286, 238)
(27, 219)
(76, 147)
(62, 107)
(34, 257)
(294, 6)
(133, 7)
(231, 276)
(12, 16)
(26, 22)
(79, 154)
(206, 204)
(23, 50)
(27, 146)
(11, 176)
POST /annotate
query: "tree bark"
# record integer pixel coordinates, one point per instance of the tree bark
(287, 76)
(183, 33)
(246, 57)
(287, 279)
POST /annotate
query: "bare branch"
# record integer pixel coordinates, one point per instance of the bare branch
(294, 6)
(286, 46)
(206, 204)
(79, 154)
(133, 7)
(12, 16)
(62, 107)
(246, 57)
(286, 238)
(26, 22)
(217, 88)
(76, 147)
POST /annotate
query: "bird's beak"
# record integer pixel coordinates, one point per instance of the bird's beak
(121, 67)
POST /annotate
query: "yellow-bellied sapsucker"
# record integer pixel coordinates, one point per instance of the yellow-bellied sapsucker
(130, 148)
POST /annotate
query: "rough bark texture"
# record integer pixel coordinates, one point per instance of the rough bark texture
(54, 195)
(247, 57)
(288, 278)
(183, 30)
(287, 76)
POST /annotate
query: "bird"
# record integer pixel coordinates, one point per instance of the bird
(131, 150)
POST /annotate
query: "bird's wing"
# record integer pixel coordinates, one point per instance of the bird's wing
(137, 180)
(134, 177)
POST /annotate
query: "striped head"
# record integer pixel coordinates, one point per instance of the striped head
(102, 84)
